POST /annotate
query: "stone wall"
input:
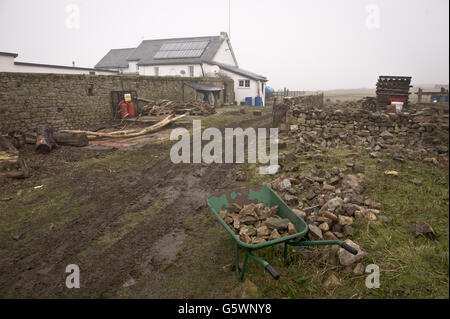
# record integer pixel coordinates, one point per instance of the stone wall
(416, 128)
(313, 100)
(67, 101)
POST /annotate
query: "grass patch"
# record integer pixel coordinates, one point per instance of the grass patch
(410, 267)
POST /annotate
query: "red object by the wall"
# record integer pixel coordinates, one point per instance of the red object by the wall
(123, 108)
(396, 100)
(131, 108)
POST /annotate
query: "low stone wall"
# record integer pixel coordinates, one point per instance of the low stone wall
(313, 100)
(416, 128)
(69, 101)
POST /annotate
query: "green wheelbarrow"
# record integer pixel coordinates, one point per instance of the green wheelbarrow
(265, 195)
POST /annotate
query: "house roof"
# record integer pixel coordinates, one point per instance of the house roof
(204, 87)
(147, 50)
(15, 55)
(145, 53)
(63, 67)
(115, 58)
(240, 71)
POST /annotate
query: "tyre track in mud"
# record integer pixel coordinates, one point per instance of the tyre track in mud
(175, 191)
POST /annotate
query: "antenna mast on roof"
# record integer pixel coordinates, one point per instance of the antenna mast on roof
(229, 19)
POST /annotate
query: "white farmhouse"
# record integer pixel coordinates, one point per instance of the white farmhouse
(188, 57)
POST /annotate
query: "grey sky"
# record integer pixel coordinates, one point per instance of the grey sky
(307, 45)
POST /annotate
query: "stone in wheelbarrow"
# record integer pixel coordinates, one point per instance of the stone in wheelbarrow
(277, 223)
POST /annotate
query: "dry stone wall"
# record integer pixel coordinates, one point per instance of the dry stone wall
(69, 101)
(416, 128)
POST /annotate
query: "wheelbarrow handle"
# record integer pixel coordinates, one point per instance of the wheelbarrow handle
(349, 248)
(272, 271)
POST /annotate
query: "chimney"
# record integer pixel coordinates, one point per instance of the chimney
(224, 35)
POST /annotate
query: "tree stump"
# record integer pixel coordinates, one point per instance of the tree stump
(11, 163)
(45, 141)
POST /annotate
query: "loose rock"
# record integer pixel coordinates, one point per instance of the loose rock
(331, 281)
(314, 232)
(345, 220)
(359, 269)
(353, 182)
(422, 228)
(274, 235)
(333, 205)
(277, 223)
(346, 258)
(291, 229)
(324, 227)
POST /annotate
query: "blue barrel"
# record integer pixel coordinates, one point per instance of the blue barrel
(258, 101)
(249, 101)
(269, 90)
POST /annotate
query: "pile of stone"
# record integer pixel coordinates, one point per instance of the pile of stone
(167, 107)
(329, 201)
(255, 223)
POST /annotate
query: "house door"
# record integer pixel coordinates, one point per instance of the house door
(224, 93)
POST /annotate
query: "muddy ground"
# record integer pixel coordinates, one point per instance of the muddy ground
(123, 216)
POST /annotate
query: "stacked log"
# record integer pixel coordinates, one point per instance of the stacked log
(168, 107)
(395, 87)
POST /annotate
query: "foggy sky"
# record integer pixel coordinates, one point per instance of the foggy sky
(305, 45)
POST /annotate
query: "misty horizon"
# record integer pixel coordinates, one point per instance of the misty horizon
(299, 45)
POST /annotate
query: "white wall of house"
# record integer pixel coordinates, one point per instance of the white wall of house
(224, 55)
(132, 67)
(210, 70)
(6, 63)
(241, 93)
(171, 70)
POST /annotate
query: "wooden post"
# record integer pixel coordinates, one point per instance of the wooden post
(442, 99)
(420, 95)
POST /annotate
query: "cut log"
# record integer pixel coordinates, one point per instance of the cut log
(72, 139)
(11, 164)
(45, 141)
(9, 155)
(17, 139)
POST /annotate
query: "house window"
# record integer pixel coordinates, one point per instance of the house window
(244, 83)
(191, 71)
(156, 70)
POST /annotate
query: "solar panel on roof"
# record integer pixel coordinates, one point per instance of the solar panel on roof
(177, 50)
